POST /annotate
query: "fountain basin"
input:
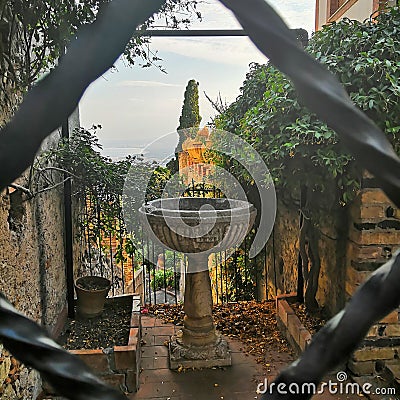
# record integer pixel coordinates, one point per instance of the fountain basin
(195, 225)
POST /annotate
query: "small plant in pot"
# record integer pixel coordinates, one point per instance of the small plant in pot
(93, 286)
(91, 292)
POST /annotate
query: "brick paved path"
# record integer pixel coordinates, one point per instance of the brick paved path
(158, 382)
(232, 383)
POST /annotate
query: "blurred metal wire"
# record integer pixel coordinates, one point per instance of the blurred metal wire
(324, 95)
(43, 110)
(54, 98)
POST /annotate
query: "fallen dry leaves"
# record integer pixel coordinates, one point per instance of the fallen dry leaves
(251, 322)
(312, 321)
(107, 330)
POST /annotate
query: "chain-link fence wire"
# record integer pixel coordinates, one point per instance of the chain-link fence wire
(323, 94)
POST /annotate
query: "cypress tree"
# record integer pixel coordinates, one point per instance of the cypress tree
(190, 118)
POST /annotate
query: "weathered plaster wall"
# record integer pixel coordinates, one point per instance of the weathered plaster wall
(32, 265)
(359, 10)
(332, 251)
(283, 255)
(32, 253)
(32, 272)
(282, 251)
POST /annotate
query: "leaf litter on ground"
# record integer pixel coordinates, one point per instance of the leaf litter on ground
(252, 323)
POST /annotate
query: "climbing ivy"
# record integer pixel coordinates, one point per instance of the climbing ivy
(295, 144)
(312, 171)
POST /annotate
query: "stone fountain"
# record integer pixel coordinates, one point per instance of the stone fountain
(197, 227)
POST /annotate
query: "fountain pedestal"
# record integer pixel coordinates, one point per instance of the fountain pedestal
(198, 344)
(196, 227)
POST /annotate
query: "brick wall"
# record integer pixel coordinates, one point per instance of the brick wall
(374, 235)
(348, 257)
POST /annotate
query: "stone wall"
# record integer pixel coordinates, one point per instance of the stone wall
(283, 257)
(352, 244)
(17, 382)
(332, 250)
(32, 262)
(283, 252)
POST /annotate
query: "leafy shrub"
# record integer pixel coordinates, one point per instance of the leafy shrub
(167, 280)
(295, 144)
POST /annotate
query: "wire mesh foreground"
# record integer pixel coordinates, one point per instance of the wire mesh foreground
(56, 96)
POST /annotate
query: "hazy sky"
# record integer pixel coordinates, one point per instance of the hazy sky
(136, 106)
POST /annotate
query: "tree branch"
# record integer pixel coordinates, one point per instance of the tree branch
(58, 94)
(55, 186)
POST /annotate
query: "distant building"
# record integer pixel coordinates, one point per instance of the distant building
(327, 11)
(193, 163)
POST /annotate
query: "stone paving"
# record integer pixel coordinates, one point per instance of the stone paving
(159, 382)
(239, 381)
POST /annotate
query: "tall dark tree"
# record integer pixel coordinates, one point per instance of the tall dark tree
(190, 118)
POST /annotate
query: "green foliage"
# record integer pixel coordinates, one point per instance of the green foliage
(98, 185)
(190, 117)
(80, 156)
(241, 277)
(164, 279)
(34, 33)
(296, 146)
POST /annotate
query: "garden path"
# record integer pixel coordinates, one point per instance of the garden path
(240, 381)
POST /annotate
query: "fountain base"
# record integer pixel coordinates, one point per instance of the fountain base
(216, 354)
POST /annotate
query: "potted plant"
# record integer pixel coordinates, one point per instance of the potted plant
(106, 248)
(91, 292)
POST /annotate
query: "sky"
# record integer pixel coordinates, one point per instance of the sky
(137, 105)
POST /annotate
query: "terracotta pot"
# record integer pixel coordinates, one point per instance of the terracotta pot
(91, 292)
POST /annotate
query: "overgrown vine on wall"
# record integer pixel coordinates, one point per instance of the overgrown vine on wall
(298, 148)
(98, 184)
